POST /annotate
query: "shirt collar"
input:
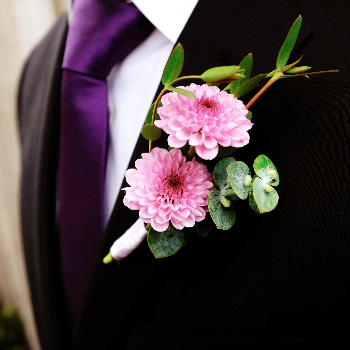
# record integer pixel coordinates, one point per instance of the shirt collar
(169, 17)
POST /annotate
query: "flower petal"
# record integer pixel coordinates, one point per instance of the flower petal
(196, 139)
(207, 153)
(173, 141)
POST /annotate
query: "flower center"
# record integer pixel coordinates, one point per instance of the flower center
(174, 182)
(172, 186)
(207, 105)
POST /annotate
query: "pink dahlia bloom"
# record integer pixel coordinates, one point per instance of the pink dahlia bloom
(164, 187)
(211, 119)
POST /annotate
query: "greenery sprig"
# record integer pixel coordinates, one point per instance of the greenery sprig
(238, 77)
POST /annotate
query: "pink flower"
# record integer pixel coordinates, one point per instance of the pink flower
(165, 187)
(211, 119)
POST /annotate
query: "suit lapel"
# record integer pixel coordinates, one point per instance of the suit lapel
(39, 120)
(218, 33)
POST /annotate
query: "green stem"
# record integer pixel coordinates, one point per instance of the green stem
(186, 77)
(156, 104)
(154, 114)
(276, 76)
(228, 192)
(280, 75)
(304, 74)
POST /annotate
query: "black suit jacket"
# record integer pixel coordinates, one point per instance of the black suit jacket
(275, 281)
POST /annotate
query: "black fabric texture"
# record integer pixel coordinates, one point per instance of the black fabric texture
(274, 281)
(38, 111)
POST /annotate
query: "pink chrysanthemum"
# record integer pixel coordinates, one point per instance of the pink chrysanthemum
(211, 119)
(165, 187)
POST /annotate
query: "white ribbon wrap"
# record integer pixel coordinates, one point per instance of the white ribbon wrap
(129, 241)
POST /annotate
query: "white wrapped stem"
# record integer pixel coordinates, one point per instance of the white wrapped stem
(129, 241)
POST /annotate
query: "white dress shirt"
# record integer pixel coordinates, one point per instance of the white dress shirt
(132, 86)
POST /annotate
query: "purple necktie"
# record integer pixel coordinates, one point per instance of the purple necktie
(102, 33)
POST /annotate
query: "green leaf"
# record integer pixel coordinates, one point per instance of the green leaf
(261, 166)
(174, 65)
(237, 172)
(249, 115)
(184, 92)
(225, 151)
(184, 149)
(217, 74)
(249, 85)
(224, 218)
(167, 243)
(253, 204)
(271, 74)
(150, 132)
(150, 112)
(214, 84)
(246, 64)
(289, 66)
(266, 201)
(204, 227)
(220, 173)
(288, 44)
(232, 197)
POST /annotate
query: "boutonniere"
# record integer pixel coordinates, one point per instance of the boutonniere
(172, 188)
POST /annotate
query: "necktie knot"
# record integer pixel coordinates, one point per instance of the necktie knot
(102, 34)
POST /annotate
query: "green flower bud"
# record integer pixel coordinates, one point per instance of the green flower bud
(268, 188)
(297, 70)
(272, 173)
(224, 73)
(225, 202)
(248, 180)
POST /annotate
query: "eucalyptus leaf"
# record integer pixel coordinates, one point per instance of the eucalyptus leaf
(167, 243)
(262, 165)
(174, 65)
(204, 227)
(232, 197)
(220, 173)
(224, 218)
(253, 204)
(288, 44)
(249, 85)
(150, 113)
(184, 92)
(150, 132)
(225, 151)
(266, 201)
(237, 172)
(246, 64)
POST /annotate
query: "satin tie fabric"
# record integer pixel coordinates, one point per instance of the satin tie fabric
(101, 34)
